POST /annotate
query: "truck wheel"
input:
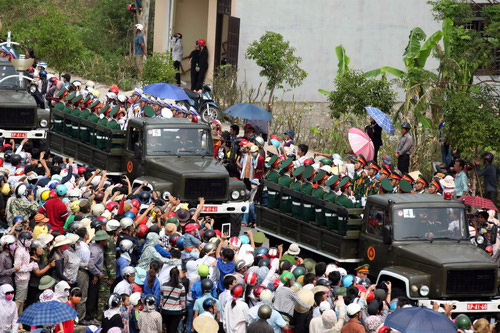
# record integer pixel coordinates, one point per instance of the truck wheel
(208, 112)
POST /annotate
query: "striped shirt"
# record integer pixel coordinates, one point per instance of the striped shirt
(173, 298)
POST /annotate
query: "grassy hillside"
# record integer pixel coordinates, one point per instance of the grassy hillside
(90, 37)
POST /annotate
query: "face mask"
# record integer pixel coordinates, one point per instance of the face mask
(254, 154)
(66, 292)
(9, 297)
(12, 247)
(76, 300)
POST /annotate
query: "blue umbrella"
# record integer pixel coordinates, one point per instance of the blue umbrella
(165, 90)
(381, 118)
(47, 313)
(419, 319)
(248, 111)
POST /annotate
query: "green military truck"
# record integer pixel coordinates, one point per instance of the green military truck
(174, 156)
(419, 242)
(20, 117)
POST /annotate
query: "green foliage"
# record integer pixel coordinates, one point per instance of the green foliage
(344, 60)
(158, 67)
(458, 10)
(225, 86)
(276, 57)
(353, 92)
(472, 120)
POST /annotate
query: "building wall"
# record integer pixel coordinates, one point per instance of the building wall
(373, 32)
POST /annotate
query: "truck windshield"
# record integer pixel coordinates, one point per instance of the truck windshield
(8, 70)
(429, 223)
(178, 141)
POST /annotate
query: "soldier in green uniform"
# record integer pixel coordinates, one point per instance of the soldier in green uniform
(93, 117)
(331, 217)
(360, 176)
(68, 109)
(297, 186)
(58, 120)
(385, 186)
(405, 186)
(113, 125)
(307, 209)
(76, 113)
(319, 191)
(373, 183)
(420, 185)
(435, 187)
(101, 139)
(343, 198)
(395, 178)
(272, 176)
(109, 272)
(148, 111)
(285, 181)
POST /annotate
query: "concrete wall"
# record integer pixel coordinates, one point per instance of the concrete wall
(373, 32)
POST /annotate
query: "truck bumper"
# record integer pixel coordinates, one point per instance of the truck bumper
(33, 134)
(231, 207)
(466, 306)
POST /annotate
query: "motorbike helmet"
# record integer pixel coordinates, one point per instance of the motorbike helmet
(201, 42)
(15, 159)
(207, 285)
(96, 223)
(180, 243)
(488, 157)
(126, 245)
(154, 228)
(208, 303)
(61, 190)
(264, 312)
(286, 276)
(235, 241)
(114, 89)
(257, 291)
(299, 271)
(244, 239)
(21, 190)
(208, 234)
(173, 239)
(250, 278)
(97, 209)
(114, 300)
(150, 300)
(348, 280)
(126, 222)
(127, 271)
(463, 322)
(99, 196)
(135, 203)
(209, 247)
(130, 215)
(144, 196)
(18, 219)
(112, 205)
(262, 250)
(264, 262)
(143, 230)
(237, 290)
(112, 225)
(406, 125)
(259, 141)
(273, 253)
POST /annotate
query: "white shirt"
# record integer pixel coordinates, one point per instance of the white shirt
(83, 252)
(123, 287)
(235, 319)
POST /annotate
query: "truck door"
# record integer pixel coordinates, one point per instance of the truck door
(134, 154)
(371, 246)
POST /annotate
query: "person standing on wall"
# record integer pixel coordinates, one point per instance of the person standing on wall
(374, 131)
(202, 65)
(139, 48)
(177, 54)
(193, 61)
(403, 150)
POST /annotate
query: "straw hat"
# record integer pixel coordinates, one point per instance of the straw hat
(205, 324)
(61, 240)
(307, 296)
(45, 238)
(73, 238)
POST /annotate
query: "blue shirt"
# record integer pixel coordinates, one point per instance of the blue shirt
(121, 263)
(190, 241)
(198, 305)
(461, 184)
(139, 39)
(224, 268)
(156, 290)
(196, 291)
(276, 320)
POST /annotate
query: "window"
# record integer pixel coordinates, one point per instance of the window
(135, 136)
(376, 221)
(178, 141)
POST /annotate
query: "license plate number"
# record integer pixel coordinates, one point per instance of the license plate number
(19, 135)
(210, 209)
(477, 307)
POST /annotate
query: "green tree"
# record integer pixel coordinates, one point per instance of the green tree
(158, 67)
(353, 92)
(279, 63)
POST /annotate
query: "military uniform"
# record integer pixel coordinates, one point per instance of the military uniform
(101, 138)
(109, 272)
(297, 186)
(76, 113)
(307, 210)
(373, 187)
(273, 200)
(405, 186)
(285, 181)
(319, 193)
(330, 216)
(359, 179)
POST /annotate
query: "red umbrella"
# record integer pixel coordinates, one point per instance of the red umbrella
(361, 143)
(478, 202)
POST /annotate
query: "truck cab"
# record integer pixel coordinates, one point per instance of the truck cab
(20, 116)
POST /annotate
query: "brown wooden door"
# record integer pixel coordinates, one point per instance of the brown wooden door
(233, 40)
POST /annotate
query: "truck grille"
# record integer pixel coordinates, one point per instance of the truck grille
(470, 281)
(17, 118)
(207, 188)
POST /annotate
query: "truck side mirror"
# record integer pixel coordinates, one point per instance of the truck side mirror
(138, 151)
(386, 235)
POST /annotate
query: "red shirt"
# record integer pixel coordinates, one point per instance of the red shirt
(68, 326)
(56, 212)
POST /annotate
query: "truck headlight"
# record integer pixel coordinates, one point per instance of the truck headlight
(44, 123)
(235, 195)
(424, 290)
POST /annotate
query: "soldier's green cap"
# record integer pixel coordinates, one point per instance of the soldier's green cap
(342, 291)
(70, 96)
(333, 181)
(310, 265)
(77, 99)
(101, 235)
(326, 161)
(319, 175)
(299, 171)
(405, 186)
(113, 111)
(149, 111)
(422, 180)
(59, 106)
(386, 185)
(346, 181)
(173, 220)
(61, 93)
(289, 258)
(105, 109)
(274, 159)
(94, 104)
(363, 268)
(259, 237)
(87, 99)
(308, 172)
(286, 164)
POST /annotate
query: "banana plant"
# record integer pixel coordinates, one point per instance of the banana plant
(343, 65)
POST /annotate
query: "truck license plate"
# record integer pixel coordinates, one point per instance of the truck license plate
(477, 306)
(19, 135)
(209, 209)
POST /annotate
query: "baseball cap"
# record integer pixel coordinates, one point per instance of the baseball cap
(139, 27)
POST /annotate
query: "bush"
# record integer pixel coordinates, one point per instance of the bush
(158, 67)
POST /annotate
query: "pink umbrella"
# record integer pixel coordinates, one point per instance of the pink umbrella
(361, 143)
